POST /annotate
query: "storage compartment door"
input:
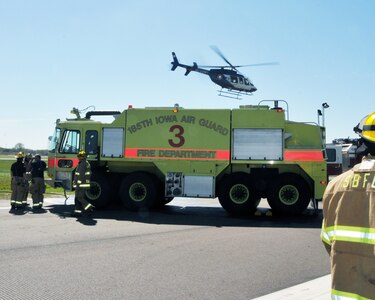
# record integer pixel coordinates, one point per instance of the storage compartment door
(257, 144)
(113, 142)
(199, 186)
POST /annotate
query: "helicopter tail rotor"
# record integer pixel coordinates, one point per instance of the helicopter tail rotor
(175, 62)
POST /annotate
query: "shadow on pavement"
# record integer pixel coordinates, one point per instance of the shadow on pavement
(87, 221)
(194, 215)
(66, 211)
(38, 211)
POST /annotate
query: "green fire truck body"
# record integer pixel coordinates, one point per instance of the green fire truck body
(148, 156)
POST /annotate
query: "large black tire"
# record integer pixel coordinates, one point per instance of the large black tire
(237, 194)
(289, 194)
(138, 191)
(100, 192)
(161, 199)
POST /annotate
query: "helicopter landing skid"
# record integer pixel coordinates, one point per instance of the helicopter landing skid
(233, 94)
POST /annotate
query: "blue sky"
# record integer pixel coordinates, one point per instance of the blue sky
(56, 55)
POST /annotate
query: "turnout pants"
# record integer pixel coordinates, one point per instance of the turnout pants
(19, 188)
(37, 189)
(80, 202)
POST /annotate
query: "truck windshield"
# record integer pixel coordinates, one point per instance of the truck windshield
(70, 142)
(54, 140)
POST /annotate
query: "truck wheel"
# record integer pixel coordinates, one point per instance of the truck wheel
(100, 191)
(138, 191)
(237, 194)
(161, 199)
(289, 195)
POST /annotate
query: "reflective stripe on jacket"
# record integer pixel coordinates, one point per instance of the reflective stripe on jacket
(348, 231)
(82, 175)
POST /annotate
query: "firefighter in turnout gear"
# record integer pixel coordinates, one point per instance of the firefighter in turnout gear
(348, 229)
(19, 183)
(37, 187)
(27, 162)
(81, 183)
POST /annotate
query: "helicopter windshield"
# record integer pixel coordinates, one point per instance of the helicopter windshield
(247, 82)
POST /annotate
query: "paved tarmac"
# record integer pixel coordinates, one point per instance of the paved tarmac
(317, 289)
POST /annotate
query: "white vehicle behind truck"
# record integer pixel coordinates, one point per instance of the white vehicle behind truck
(341, 155)
(334, 159)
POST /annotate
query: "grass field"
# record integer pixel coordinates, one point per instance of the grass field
(5, 164)
(5, 175)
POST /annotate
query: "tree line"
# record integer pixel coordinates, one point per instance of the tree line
(20, 147)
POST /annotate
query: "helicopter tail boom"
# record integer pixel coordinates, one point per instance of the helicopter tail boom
(175, 63)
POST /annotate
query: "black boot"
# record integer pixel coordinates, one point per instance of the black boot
(90, 211)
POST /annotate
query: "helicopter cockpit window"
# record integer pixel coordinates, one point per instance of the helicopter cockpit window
(241, 80)
(247, 82)
(234, 79)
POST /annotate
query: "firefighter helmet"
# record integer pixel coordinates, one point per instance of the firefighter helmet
(366, 128)
(81, 153)
(368, 131)
(19, 155)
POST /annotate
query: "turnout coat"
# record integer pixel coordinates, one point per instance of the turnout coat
(82, 175)
(348, 231)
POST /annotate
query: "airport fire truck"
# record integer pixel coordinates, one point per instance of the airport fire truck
(147, 156)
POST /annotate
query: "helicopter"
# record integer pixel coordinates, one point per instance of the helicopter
(231, 81)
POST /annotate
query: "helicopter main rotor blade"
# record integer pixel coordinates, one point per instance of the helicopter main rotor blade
(261, 64)
(240, 66)
(223, 67)
(218, 52)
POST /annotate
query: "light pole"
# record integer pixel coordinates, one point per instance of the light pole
(324, 107)
(319, 115)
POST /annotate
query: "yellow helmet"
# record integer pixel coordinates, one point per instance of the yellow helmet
(19, 155)
(81, 153)
(366, 128)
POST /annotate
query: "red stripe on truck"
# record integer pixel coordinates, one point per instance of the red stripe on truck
(177, 154)
(54, 162)
(303, 155)
(51, 163)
